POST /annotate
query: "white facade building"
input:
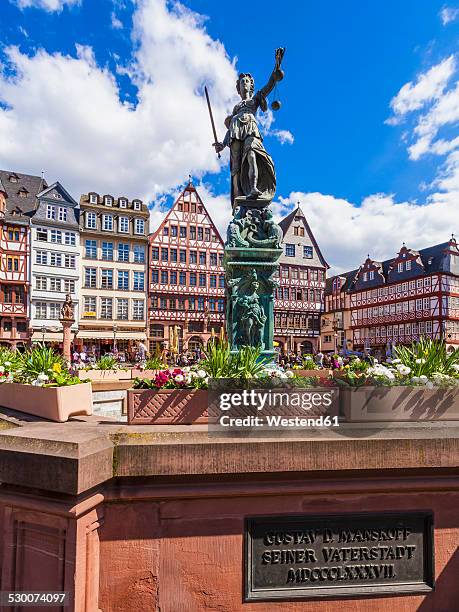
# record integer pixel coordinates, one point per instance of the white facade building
(55, 265)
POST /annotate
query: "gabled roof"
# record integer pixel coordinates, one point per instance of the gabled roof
(14, 202)
(190, 188)
(58, 187)
(349, 279)
(287, 222)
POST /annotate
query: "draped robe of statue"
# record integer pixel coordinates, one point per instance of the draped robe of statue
(243, 136)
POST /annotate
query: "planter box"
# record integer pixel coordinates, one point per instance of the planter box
(386, 404)
(323, 373)
(53, 403)
(136, 373)
(107, 375)
(167, 406)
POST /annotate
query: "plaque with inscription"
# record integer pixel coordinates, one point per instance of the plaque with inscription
(343, 555)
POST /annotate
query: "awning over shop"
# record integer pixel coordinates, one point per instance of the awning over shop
(87, 334)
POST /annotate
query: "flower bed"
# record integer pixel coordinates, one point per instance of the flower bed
(399, 403)
(38, 382)
(53, 403)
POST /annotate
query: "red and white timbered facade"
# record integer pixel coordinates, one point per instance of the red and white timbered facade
(17, 199)
(398, 301)
(186, 276)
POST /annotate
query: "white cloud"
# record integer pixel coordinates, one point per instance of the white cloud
(47, 5)
(378, 226)
(283, 136)
(85, 136)
(448, 14)
(116, 23)
(429, 86)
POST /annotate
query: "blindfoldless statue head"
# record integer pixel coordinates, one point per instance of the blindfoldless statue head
(245, 85)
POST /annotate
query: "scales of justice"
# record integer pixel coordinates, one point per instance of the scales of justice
(253, 242)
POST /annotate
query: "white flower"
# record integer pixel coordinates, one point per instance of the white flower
(179, 378)
(415, 380)
(423, 379)
(395, 360)
(201, 373)
(455, 367)
(42, 377)
(289, 374)
(420, 361)
(403, 369)
(2, 369)
(206, 380)
(186, 369)
(429, 384)
(187, 379)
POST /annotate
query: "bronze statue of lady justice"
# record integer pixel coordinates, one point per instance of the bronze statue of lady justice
(252, 169)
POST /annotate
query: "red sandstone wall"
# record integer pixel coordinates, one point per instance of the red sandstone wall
(186, 555)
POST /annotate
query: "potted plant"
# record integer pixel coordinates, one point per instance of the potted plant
(38, 382)
(179, 396)
(150, 368)
(420, 384)
(310, 369)
(107, 369)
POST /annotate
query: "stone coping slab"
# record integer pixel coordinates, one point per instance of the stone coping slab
(75, 456)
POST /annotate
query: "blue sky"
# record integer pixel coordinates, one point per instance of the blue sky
(105, 95)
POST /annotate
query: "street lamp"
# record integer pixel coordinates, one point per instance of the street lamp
(115, 329)
(43, 332)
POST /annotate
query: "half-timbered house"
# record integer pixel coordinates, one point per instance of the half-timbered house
(401, 299)
(299, 299)
(186, 280)
(17, 205)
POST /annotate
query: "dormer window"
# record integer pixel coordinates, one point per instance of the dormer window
(400, 267)
(13, 178)
(23, 193)
(408, 265)
(371, 274)
(137, 204)
(108, 201)
(123, 203)
(57, 195)
(93, 198)
(365, 277)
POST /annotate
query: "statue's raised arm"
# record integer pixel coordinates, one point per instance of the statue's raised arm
(276, 75)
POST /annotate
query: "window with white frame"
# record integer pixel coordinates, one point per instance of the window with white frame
(408, 265)
(93, 198)
(69, 261)
(55, 236)
(123, 280)
(89, 306)
(70, 238)
(106, 278)
(91, 220)
(108, 201)
(42, 234)
(50, 211)
(137, 204)
(139, 226)
(138, 310)
(123, 203)
(139, 253)
(90, 278)
(400, 267)
(139, 281)
(55, 259)
(106, 308)
(122, 311)
(69, 285)
(40, 310)
(54, 310)
(123, 224)
(62, 214)
(371, 274)
(107, 223)
(41, 258)
(41, 283)
(55, 284)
